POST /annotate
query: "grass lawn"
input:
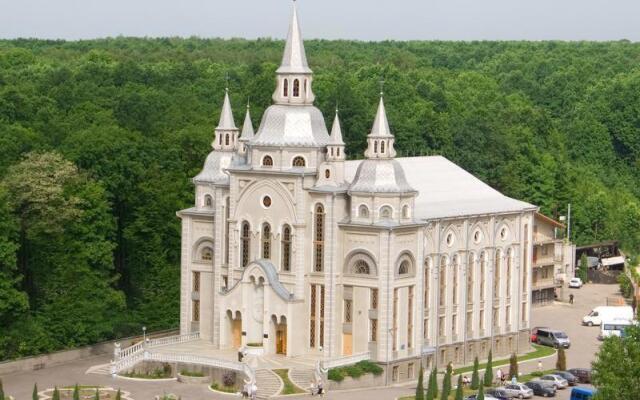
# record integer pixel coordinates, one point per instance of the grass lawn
(289, 387)
(540, 351)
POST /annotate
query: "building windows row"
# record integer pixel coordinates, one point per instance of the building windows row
(298, 161)
(296, 87)
(266, 251)
(386, 212)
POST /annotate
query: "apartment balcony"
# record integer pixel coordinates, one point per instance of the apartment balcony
(539, 284)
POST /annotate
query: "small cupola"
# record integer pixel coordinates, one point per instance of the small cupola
(335, 148)
(226, 133)
(380, 141)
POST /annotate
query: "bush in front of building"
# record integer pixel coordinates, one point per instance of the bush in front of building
(475, 378)
(354, 371)
(513, 365)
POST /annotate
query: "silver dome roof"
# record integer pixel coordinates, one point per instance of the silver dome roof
(286, 125)
(214, 166)
(380, 176)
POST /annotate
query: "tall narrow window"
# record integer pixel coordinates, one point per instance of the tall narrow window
(442, 281)
(226, 139)
(470, 269)
(508, 280)
(375, 146)
(266, 241)
(348, 304)
(496, 274)
(525, 260)
(321, 315)
(426, 284)
(394, 330)
(246, 242)
(318, 242)
(312, 319)
(410, 318)
(296, 88)
(382, 147)
(226, 231)
(196, 311)
(196, 281)
(285, 88)
(483, 277)
(455, 268)
(286, 248)
(374, 299)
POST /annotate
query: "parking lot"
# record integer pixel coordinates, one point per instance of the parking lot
(568, 318)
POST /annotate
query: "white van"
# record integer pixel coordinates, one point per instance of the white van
(606, 313)
(614, 327)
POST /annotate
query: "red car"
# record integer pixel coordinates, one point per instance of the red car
(534, 333)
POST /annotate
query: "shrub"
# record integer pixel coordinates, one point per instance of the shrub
(626, 288)
(229, 378)
(34, 395)
(370, 367)
(335, 374)
(513, 366)
(76, 392)
(185, 372)
(166, 368)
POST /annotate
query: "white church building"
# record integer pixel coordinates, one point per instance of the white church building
(292, 249)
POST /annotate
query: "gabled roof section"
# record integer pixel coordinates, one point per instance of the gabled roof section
(448, 191)
(226, 116)
(294, 60)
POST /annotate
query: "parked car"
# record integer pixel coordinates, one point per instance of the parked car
(583, 374)
(541, 389)
(579, 393)
(534, 333)
(554, 338)
(486, 397)
(499, 393)
(557, 381)
(575, 283)
(572, 380)
(518, 390)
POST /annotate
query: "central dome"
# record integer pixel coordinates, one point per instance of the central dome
(380, 176)
(285, 125)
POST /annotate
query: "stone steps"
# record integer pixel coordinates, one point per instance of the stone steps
(269, 384)
(103, 369)
(303, 378)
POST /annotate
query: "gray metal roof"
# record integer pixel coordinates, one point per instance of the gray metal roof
(380, 123)
(446, 190)
(294, 60)
(226, 115)
(272, 276)
(336, 131)
(247, 127)
(214, 165)
(379, 176)
(287, 125)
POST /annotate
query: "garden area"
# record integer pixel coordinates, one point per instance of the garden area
(354, 371)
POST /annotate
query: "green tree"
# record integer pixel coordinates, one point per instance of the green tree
(420, 387)
(446, 384)
(481, 391)
(475, 377)
(34, 395)
(430, 388)
(76, 392)
(97, 397)
(583, 268)
(56, 394)
(616, 365)
(561, 362)
(118, 395)
(513, 366)
(488, 371)
(434, 381)
(460, 389)
(1, 390)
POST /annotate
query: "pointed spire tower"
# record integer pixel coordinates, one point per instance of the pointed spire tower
(380, 140)
(226, 133)
(247, 133)
(294, 75)
(335, 148)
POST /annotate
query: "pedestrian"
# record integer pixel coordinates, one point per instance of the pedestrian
(465, 381)
(499, 375)
(571, 298)
(254, 391)
(539, 366)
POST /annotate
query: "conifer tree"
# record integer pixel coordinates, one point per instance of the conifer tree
(1, 391)
(446, 384)
(434, 381)
(56, 394)
(513, 366)
(480, 395)
(430, 395)
(561, 363)
(475, 378)
(118, 395)
(459, 389)
(76, 392)
(420, 387)
(488, 372)
(35, 396)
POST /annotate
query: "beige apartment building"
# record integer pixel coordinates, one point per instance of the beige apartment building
(292, 249)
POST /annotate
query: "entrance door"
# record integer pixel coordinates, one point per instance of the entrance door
(347, 344)
(236, 328)
(281, 341)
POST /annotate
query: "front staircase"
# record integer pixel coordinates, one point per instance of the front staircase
(268, 383)
(302, 378)
(103, 369)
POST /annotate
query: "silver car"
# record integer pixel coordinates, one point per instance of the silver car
(557, 381)
(518, 390)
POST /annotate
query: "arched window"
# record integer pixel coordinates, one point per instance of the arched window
(405, 211)
(404, 268)
(427, 276)
(208, 200)
(267, 161)
(305, 87)
(386, 212)
(361, 267)
(338, 151)
(266, 241)
(299, 161)
(483, 277)
(318, 243)
(363, 211)
(296, 88)
(375, 146)
(496, 273)
(327, 174)
(220, 139)
(246, 243)
(206, 254)
(455, 267)
(226, 139)
(442, 281)
(508, 280)
(382, 147)
(285, 89)
(286, 248)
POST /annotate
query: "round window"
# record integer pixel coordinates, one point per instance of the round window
(503, 233)
(477, 236)
(266, 201)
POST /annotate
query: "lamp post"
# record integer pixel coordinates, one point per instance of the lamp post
(144, 335)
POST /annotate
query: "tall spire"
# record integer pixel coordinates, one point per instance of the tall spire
(247, 127)
(380, 123)
(336, 131)
(226, 116)
(294, 60)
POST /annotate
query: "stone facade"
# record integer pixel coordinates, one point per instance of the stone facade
(294, 250)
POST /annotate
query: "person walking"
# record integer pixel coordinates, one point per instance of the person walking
(571, 298)
(539, 366)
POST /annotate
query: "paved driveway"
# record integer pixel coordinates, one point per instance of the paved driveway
(584, 345)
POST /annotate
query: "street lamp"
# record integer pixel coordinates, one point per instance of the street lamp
(144, 334)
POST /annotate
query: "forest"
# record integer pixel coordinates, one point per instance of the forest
(99, 141)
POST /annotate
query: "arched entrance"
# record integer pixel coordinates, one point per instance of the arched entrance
(281, 336)
(235, 328)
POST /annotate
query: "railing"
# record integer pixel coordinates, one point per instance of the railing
(173, 339)
(202, 360)
(346, 360)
